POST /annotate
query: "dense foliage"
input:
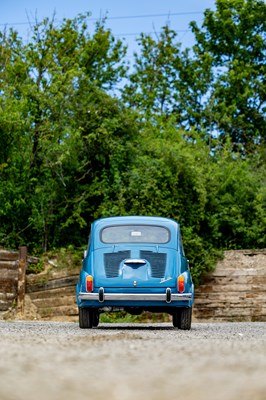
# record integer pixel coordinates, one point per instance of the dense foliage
(185, 139)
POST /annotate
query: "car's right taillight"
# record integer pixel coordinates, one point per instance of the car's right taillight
(181, 284)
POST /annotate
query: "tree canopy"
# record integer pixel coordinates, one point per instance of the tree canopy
(185, 138)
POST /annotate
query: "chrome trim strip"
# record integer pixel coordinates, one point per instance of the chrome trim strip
(135, 296)
(135, 261)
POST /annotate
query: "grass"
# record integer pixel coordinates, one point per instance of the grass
(124, 317)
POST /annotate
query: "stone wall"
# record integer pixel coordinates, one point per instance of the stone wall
(236, 290)
(52, 293)
(8, 279)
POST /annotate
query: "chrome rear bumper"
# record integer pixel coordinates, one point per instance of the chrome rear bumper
(168, 296)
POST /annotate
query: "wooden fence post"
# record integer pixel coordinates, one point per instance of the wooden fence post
(22, 263)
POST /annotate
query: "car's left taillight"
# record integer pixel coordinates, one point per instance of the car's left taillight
(89, 283)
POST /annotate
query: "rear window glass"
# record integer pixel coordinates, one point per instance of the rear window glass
(135, 234)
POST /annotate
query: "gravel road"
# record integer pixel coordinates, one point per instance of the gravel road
(55, 360)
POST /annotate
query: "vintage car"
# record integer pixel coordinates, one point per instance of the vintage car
(135, 264)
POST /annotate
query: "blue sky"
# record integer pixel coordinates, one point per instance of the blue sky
(149, 15)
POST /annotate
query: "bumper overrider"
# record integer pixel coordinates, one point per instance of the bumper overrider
(168, 296)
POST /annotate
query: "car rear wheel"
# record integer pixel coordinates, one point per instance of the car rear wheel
(182, 318)
(95, 318)
(85, 318)
(176, 319)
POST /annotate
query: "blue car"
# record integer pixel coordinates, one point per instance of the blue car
(135, 264)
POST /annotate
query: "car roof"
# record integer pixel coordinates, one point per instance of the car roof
(168, 223)
(136, 220)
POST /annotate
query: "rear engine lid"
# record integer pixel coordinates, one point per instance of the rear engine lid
(146, 267)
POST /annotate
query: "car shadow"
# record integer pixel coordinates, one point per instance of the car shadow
(136, 327)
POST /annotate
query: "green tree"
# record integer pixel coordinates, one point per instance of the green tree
(235, 207)
(45, 85)
(14, 143)
(167, 176)
(218, 87)
(234, 37)
(70, 152)
(99, 152)
(152, 84)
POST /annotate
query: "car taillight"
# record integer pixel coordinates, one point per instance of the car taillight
(89, 283)
(181, 283)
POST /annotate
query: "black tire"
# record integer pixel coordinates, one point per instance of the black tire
(85, 318)
(176, 319)
(182, 318)
(95, 318)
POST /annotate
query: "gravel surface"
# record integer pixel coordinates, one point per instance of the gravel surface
(55, 360)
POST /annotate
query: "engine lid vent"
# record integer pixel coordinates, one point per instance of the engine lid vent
(112, 262)
(157, 262)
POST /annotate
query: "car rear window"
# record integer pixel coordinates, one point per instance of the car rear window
(135, 234)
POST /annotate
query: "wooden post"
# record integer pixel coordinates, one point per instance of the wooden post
(22, 263)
